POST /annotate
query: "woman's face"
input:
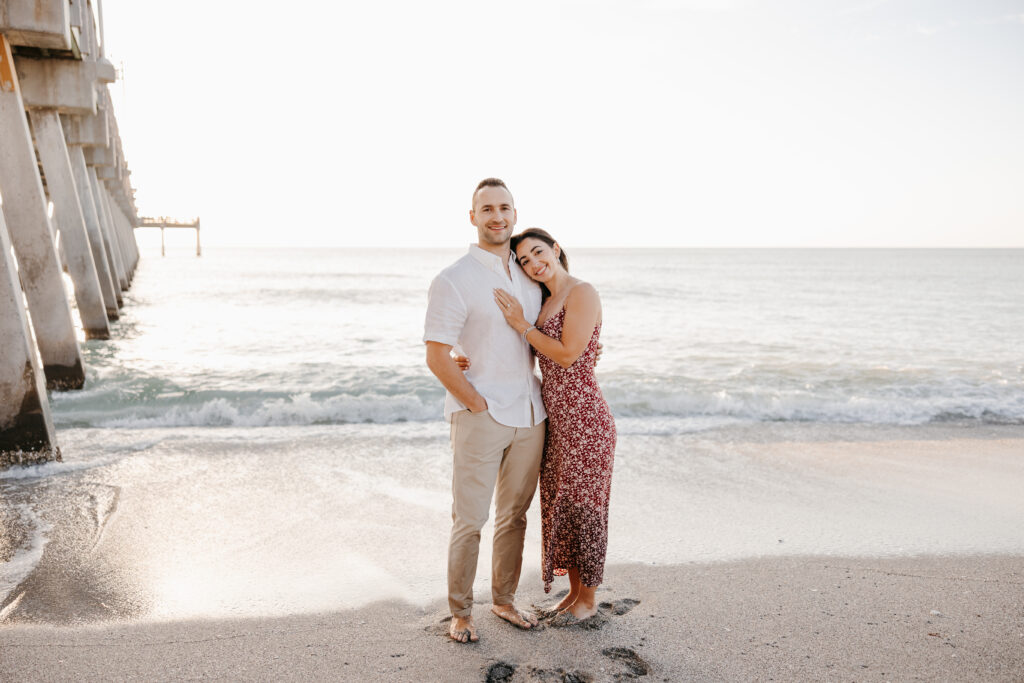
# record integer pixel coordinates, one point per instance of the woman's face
(538, 260)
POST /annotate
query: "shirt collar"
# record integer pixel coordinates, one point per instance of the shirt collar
(489, 260)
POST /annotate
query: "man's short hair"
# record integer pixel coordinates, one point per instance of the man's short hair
(490, 182)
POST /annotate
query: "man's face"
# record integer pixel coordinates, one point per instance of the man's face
(493, 215)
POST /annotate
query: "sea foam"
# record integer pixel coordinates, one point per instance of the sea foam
(27, 554)
(654, 403)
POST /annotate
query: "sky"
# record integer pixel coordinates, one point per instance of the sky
(683, 123)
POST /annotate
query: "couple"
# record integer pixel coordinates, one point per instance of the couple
(508, 299)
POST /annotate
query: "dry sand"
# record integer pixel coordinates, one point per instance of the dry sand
(783, 619)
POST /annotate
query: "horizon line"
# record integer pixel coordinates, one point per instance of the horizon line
(216, 245)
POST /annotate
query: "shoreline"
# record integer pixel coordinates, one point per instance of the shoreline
(789, 552)
(787, 618)
(164, 526)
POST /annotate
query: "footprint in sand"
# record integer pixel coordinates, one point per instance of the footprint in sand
(619, 607)
(567, 620)
(500, 672)
(604, 610)
(504, 672)
(440, 628)
(633, 662)
(559, 676)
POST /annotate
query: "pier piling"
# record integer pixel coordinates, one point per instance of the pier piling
(116, 238)
(116, 269)
(92, 223)
(67, 210)
(26, 429)
(56, 113)
(25, 211)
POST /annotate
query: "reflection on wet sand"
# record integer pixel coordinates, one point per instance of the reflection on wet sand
(316, 519)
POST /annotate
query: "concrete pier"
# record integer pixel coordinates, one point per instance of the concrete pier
(119, 236)
(109, 238)
(53, 74)
(122, 238)
(124, 224)
(26, 430)
(25, 211)
(104, 271)
(163, 222)
(67, 210)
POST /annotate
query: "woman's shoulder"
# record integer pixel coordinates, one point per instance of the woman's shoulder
(582, 294)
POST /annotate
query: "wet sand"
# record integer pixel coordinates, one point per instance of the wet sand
(927, 618)
(777, 552)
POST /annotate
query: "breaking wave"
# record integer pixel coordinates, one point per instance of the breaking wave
(414, 399)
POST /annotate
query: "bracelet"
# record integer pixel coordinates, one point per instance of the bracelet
(527, 331)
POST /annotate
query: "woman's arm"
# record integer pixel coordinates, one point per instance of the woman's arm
(582, 310)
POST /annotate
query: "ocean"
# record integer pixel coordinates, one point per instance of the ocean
(262, 435)
(275, 338)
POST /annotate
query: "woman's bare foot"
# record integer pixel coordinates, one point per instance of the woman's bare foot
(512, 615)
(463, 630)
(566, 602)
(581, 610)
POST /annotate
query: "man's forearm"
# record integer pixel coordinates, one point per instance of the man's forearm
(440, 362)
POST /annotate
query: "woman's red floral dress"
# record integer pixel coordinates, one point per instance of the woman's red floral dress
(576, 472)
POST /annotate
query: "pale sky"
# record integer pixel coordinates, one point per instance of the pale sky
(614, 122)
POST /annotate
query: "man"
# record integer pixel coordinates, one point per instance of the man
(495, 408)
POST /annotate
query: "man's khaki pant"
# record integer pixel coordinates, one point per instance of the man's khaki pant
(489, 458)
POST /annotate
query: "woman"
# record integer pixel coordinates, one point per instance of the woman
(576, 471)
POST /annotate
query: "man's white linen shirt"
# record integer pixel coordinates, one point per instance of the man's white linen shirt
(461, 312)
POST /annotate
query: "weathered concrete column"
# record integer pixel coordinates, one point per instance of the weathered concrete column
(117, 218)
(129, 226)
(113, 249)
(130, 221)
(129, 235)
(119, 238)
(58, 244)
(104, 271)
(24, 207)
(26, 429)
(115, 270)
(67, 209)
(126, 228)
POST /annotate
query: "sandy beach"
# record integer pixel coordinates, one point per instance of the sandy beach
(813, 618)
(794, 228)
(780, 552)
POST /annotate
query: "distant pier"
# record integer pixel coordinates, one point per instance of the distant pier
(59, 145)
(163, 222)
